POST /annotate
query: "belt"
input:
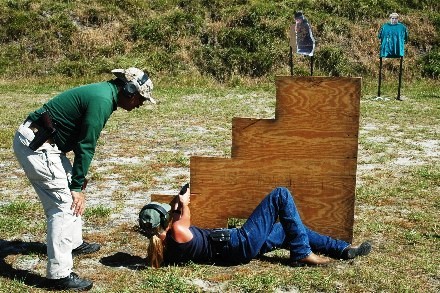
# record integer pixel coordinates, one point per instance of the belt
(34, 127)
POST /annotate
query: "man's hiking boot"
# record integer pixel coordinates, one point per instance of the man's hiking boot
(71, 282)
(86, 248)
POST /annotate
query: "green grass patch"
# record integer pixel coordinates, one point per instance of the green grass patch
(148, 150)
(98, 212)
(18, 217)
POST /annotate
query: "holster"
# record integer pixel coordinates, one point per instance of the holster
(219, 239)
(220, 235)
(46, 130)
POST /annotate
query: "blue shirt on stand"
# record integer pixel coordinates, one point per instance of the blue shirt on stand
(393, 38)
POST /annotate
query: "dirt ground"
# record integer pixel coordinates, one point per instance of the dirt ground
(126, 199)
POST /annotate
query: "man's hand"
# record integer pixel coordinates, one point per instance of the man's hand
(78, 204)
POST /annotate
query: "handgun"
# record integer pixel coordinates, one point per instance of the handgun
(184, 188)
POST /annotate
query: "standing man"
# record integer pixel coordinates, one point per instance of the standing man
(72, 121)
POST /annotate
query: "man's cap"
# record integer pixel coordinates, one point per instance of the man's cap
(154, 214)
(141, 80)
(394, 15)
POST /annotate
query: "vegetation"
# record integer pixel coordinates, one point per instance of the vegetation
(223, 39)
(147, 150)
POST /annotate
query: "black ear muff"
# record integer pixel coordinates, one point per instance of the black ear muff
(164, 216)
(130, 89)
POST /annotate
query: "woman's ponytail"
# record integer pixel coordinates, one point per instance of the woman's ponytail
(155, 251)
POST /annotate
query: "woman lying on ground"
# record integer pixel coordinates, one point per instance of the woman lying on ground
(174, 241)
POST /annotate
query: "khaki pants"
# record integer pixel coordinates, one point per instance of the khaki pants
(49, 171)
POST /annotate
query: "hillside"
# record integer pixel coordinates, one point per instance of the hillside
(222, 39)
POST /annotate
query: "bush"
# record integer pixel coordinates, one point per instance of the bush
(222, 38)
(431, 64)
(16, 25)
(249, 44)
(212, 61)
(237, 55)
(167, 29)
(359, 10)
(332, 60)
(71, 68)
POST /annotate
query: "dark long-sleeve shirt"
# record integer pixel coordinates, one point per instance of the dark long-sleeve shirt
(79, 115)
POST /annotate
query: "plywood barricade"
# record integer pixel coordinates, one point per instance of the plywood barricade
(310, 148)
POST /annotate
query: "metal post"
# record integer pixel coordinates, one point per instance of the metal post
(311, 65)
(380, 76)
(400, 79)
(291, 61)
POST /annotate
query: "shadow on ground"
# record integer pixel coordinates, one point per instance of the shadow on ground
(122, 259)
(26, 248)
(31, 279)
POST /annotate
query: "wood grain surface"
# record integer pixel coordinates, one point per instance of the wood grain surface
(310, 148)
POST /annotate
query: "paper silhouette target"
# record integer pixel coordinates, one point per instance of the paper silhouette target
(301, 36)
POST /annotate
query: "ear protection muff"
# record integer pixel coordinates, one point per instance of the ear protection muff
(130, 89)
(164, 216)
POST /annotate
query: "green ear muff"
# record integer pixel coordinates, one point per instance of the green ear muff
(145, 220)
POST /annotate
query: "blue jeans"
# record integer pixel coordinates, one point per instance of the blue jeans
(262, 233)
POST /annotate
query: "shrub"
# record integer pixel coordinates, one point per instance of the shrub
(332, 60)
(430, 63)
(244, 59)
(16, 25)
(359, 10)
(249, 43)
(71, 68)
(225, 38)
(166, 29)
(212, 61)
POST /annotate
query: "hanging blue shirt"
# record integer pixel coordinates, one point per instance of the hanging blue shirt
(393, 38)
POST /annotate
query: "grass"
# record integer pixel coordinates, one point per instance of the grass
(223, 39)
(11, 222)
(147, 151)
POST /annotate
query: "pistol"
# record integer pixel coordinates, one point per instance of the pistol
(184, 188)
(45, 131)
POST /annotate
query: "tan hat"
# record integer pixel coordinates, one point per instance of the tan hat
(139, 79)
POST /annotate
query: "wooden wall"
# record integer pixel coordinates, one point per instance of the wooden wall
(310, 148)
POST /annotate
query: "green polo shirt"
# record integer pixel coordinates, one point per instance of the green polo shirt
(79, 115)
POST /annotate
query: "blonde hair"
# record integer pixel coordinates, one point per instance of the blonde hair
(156, 247)
(155, 251)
